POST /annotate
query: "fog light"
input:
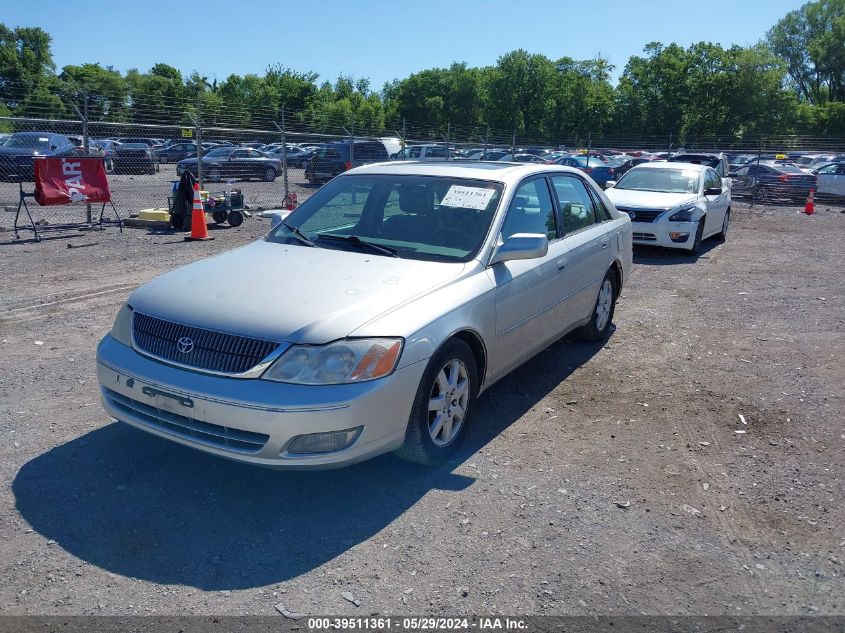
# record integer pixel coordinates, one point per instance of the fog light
(323, 442)
(678, 237)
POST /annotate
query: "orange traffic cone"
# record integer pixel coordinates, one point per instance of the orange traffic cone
(809, 208)
(199, 229)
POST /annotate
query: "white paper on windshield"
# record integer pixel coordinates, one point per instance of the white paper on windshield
(467, 197)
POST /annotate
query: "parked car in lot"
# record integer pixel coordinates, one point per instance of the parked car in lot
(134, 158)
(424, 152)
(295, 156)
(19, 151)
(337, 157)
(830, 179)
(233, 162)
(176, 152)
(408, 289)
(717, 161)
(783, 181)
(674, 205)
(592, 165)
(522, 158)
(137, 139)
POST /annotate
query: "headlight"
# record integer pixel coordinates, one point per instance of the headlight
(345, 361)
(682, 215)
(122, 328)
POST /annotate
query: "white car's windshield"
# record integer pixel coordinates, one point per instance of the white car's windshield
(414, 217)
(661, 180)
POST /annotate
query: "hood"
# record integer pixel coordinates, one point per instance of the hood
(291, 293)
(648, 199)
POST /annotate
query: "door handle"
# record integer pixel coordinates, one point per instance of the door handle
(562, 263)
(605, 243)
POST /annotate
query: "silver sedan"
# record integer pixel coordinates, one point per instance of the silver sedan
(372, 317)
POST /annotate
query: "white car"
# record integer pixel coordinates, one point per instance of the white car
(830, 179)
(674, 205)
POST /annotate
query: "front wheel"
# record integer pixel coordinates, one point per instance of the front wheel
(599, 325)
(269, 174)
(723, 234)
(695, 249)
(442, 407)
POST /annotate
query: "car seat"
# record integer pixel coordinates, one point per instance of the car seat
(417, 218)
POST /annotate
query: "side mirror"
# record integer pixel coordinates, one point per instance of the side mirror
(713, 191)
(609, 184)
(521, 246)
(277, 218)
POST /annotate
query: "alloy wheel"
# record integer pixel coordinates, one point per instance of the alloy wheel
(447, 404)
(604, 304)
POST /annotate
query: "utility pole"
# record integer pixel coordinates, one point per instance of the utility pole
(284, 153)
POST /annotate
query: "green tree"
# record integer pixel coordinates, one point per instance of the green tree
(105, 88)
(811, 40)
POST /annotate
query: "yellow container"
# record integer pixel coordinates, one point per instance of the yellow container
(159, 214)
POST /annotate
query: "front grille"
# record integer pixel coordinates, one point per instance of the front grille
(202, 432)
(642, 215)
(212, 351)
(644, 237)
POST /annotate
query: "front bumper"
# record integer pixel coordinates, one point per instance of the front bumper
(254, 420)
(659, 233)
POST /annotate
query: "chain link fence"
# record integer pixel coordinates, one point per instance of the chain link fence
(143, 157)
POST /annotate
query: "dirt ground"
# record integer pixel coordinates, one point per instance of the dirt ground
(691, 464)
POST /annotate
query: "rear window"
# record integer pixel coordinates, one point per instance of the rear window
(790, 169)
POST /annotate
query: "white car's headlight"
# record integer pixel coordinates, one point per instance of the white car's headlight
(122, 328)
(345, 361)
(682, 215)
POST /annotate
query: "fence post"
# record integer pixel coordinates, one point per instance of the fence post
(85, 142)
(404, 135)
(513, 143)
(589, 148)
(670, 143)
(352, 144)
(486, 143)
(284, 153)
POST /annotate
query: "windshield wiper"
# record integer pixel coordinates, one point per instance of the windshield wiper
(357, 241)
(298, 234)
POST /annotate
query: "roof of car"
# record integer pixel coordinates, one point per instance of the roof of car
(502, 171)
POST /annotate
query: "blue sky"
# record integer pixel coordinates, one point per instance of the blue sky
(377, 39)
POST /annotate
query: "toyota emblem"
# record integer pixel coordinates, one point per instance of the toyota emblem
(185, 345)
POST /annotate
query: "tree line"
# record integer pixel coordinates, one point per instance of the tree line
(792, 82)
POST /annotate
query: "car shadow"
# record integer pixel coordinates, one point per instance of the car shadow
(657, 256)
(136, 505)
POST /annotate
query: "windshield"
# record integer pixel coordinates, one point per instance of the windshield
(661, 180)
(27, 140)
(420, 217)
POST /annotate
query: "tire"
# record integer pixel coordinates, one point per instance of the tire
(426, 439)
(695, 249)
(598, 327)
(219, 216)
(236, 218)
(269, 175)
(723, 234)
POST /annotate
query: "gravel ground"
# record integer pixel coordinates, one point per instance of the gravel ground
(691, 464)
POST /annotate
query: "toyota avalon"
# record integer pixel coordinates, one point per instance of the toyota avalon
(384, 306)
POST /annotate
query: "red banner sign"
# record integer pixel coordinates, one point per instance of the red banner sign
(70, 179)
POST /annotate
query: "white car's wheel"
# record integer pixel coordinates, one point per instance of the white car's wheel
(723, 234)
